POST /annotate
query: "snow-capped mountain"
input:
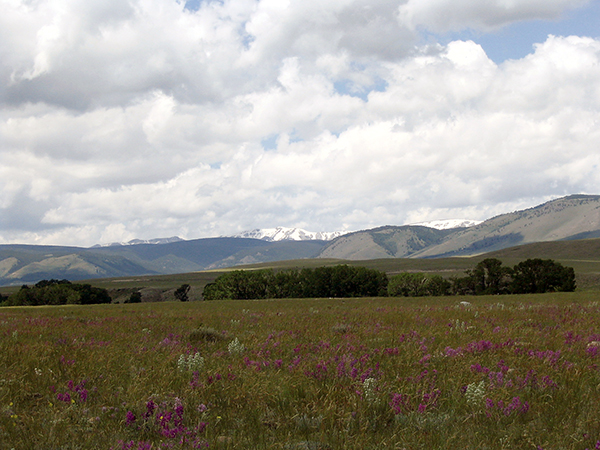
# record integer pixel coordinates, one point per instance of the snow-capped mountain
(142, 241)
(449, 223)
(288, 234)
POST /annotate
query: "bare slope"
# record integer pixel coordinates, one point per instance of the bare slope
(573, 217)
(552, 221)
(384, 242)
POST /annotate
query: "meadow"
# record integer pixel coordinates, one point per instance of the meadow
(486, 372)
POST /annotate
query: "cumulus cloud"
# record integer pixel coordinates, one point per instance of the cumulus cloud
(145, 119)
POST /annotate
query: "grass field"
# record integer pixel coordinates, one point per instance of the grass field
(504, 372)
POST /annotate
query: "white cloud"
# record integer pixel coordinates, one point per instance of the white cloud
(142, 119)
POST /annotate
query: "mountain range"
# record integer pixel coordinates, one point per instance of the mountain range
(289, 234)
(567, 218)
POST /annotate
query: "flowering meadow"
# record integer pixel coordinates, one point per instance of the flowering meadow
(489, 372)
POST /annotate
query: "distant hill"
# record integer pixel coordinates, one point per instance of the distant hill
(565, 221)
(30, 263)
(384, 242)
(573, 217)
(567, 250)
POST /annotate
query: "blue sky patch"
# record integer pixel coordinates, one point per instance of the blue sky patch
(517, 40)
(348, 87)
(270, 142)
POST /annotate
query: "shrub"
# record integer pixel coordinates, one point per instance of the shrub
(181, 293)
(204, 334)
(135, 297)
(417, 285)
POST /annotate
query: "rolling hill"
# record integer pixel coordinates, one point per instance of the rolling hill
(566, 219)
(30, 263)
(573, 217)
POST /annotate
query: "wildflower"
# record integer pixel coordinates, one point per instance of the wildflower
(459, 325)
(150, 407)
(475, 393)
(369, 389)
(191, 363)
(130, 418)
(236, 347)
(66, 397)
(400, 403)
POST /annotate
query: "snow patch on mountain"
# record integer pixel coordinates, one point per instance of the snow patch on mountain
(142, 241)
(449, 223)
(288, 234)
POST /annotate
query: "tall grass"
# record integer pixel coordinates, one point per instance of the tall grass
(496, 373)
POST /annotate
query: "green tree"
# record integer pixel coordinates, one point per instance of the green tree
(55, 292)
(408, 284)
(462, 285)
(336, 281)
(489, 277)
(537, 276)
(438, 286)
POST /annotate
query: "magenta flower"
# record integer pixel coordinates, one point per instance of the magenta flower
(130, 418)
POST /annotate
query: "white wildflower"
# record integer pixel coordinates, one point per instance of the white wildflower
(235, 347)
(459, 325)
(190, 363)
(475, 393)
(369, 391)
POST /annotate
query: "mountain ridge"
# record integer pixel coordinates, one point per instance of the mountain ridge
(288, 234)
(567, 218)
(563, 218)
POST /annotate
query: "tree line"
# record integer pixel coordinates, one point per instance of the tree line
(335, 281)
(489, 277)
(57, 292)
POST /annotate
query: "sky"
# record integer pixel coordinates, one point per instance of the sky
(155, 118)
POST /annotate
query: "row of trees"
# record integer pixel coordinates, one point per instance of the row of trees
(489, 277)
(57, 292)
(336, 281)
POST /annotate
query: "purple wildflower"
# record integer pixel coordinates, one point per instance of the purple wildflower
(130, 418)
